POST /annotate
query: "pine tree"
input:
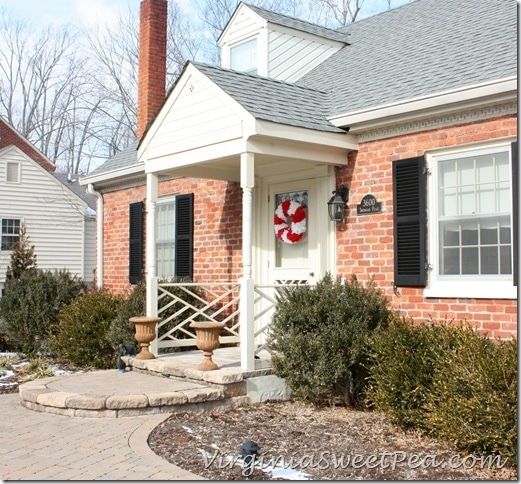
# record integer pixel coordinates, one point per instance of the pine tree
(23, 257)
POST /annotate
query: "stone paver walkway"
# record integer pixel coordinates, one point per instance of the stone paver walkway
(41, 446)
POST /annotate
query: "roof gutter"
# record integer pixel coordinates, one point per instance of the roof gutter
(137, 169)
(476, 96)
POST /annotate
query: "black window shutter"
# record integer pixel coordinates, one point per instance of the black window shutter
(135, 259)
(409, 222)
(184, 235)
(515, 209)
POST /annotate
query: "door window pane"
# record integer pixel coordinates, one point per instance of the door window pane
(292, 255)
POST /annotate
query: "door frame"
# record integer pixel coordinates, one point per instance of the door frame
(324, 177)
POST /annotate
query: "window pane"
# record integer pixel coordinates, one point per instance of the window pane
(450, 262)
(504, 234)
(489, 260)
(448, 202)
(469, 233)
(165, 259)
(165, 238)
(505, 254)
(450, 234)
(470, 260)
(10, 233)
(488, 232)
(243, 57)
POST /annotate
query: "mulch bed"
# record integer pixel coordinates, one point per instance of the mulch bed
(312, 443)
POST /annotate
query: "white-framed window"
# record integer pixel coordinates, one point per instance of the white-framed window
(12, 172)
(165, 238)
(9, 233)
(243, 56)
(470, 222)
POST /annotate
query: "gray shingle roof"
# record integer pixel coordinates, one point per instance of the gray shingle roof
(271, 100)
(421, 48)
(75, 187)
(292, 23)
(124, 159)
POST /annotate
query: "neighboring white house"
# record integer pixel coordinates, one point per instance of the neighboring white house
(58, 214)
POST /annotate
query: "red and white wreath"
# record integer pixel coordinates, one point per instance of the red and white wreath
(290, 222)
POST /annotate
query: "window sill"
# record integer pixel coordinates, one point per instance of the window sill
(471, 289)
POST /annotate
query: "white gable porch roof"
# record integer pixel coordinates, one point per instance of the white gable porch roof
(202, 129)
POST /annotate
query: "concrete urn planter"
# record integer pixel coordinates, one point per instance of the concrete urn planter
(207, 340)
(145, 334)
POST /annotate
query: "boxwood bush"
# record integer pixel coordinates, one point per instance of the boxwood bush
(319, 335)
(448, 381)
(81, 333)
(30, 305)
(474, 398)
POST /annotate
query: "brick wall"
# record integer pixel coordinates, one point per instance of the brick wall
(9, 136)
(365, 248)
(217, 229)
(152, 61)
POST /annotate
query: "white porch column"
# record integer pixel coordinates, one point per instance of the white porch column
(150, 256)
(247, 329)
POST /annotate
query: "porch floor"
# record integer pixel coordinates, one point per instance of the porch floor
(166, 384)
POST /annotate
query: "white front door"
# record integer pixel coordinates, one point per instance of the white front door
(293, 254)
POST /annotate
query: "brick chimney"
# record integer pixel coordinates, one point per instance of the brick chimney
(152, 61)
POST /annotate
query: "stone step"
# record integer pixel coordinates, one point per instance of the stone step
(111, 393)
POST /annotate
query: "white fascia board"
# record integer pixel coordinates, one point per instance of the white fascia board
(284, 132)
(262, 21)
(113, 175)
(425, 106)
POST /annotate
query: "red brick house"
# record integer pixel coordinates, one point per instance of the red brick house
(414, 111)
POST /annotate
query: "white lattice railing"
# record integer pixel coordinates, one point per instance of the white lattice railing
(179, 304)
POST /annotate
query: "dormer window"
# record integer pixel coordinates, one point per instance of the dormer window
(243, 56)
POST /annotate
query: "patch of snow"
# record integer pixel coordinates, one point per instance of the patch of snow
(6, 374)
(188, 429)
(288, 474)
(58, 371)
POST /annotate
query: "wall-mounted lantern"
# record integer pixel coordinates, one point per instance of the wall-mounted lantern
(338, 203)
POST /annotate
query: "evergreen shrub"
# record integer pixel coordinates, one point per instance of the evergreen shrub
(474, 400)
(81, 333)
(121, 330)
(30, 304)
(448, 381)
(319, 335)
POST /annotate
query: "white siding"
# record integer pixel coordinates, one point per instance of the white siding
(289, 53)
(292, 56)
(246, 24)
(53, 216)
(197, 118)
